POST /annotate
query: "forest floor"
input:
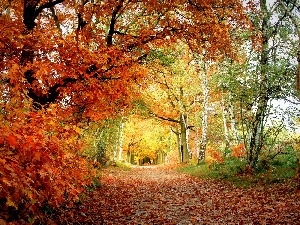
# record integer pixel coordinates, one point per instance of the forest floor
(161, 195)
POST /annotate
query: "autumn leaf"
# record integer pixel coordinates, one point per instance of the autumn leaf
(6, 181)
(12, 140)
(160, 194)
(10, 202)
(37, 156)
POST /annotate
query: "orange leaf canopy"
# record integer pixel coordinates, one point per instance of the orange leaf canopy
(65, 60)
(87, 56)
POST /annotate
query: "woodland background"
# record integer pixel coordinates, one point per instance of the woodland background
(86, 83)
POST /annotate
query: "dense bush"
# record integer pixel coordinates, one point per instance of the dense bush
(40, 164)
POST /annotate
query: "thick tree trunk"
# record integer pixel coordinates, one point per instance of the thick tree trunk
(171, 140)
(179, 149)
(197, 144)
(231, 134)
(161, 156)
(256, 138)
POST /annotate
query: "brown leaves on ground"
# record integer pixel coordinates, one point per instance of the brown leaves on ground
(160, 195)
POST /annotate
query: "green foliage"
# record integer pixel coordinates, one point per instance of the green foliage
(123, 165)
(102, 140)
(166, 57)
(225, 170)
(237, 172)
(95, 184)
(289, 159)
(283, 166)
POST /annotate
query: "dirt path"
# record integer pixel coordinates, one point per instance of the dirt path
(157, 195)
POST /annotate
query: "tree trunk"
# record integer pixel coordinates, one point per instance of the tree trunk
(231, 134)
(224, 114)
(256, 137)
(130, 157)
(197, 143)
(121, 139)
(205, 89)
(233, 131)
(160, 157)
(178, 137)
(171, 140)
(183, 137)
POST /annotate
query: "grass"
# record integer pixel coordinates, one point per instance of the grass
(236, 172)
(123, 165)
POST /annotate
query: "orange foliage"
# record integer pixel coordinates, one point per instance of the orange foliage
(238, 151)
(59, 65)
(213, 155)
(40, 161)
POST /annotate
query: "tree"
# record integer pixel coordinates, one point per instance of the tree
(145, 138)
(205, 69)
(64, 63)
(103, 140)
(170, 96)
(270, 47)
(265, 75)
(292, 10)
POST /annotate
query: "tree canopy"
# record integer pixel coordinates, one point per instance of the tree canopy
(83, 80)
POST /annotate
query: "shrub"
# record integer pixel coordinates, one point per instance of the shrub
(40, 163)
(238, 151)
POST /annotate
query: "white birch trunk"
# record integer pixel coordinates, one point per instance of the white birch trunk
(225, 114)
(233, 130)
(205, 88)
(121, 139)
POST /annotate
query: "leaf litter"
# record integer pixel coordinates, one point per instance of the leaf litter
(161, 195)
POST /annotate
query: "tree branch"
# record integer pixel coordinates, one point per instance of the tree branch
(31, 11)
(55, 19)
(113, 21)
(297, 27)
(164, 118)
(45, 6)
(175, 132)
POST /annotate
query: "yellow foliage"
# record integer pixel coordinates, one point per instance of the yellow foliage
(145, 137)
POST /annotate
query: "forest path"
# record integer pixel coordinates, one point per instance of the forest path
(161, 195)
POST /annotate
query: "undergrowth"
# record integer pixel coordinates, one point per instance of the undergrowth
(236, 171)
(123, 165)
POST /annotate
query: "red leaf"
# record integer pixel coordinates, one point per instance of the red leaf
(12, 140)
